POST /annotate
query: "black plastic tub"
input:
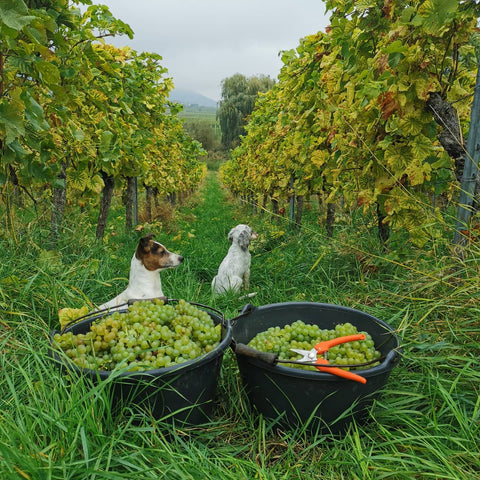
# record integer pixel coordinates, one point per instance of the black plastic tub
(296, 398)
(181, 394)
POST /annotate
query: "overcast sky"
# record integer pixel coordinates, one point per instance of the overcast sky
(204, 41)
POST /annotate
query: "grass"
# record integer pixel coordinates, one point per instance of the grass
(425, 424)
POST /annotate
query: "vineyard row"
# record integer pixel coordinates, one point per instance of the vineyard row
(373, 112)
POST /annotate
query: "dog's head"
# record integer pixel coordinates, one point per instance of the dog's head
(155, 256)
(242, 234)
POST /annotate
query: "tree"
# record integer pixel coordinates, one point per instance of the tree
(203, 131)
(238, 99)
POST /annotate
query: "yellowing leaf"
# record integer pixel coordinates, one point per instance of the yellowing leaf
(283, 182)
(320, 157)
(67, 315)
(423, 87)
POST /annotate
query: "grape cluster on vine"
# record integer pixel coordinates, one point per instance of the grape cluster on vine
(149, 335)
(305, 336)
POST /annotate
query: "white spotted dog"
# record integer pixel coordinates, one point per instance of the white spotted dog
(149, 259)
(234, 271)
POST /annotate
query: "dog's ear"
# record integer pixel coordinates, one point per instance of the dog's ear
(144, 244)
(244, 239)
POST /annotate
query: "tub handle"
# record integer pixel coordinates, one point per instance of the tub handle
(246, 351)
(245, 311)
(248, 308)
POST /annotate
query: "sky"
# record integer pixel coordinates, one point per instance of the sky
(203, 42)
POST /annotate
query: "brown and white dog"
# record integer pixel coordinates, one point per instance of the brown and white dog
(149, 259)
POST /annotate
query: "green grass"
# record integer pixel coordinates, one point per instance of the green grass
(199, 112)
(425, 424)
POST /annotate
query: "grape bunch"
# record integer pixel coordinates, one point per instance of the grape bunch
(305, 336)
(149, 335)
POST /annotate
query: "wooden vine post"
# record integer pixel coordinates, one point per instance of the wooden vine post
(470, 171)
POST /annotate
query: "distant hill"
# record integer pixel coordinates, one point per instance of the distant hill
(187, 98)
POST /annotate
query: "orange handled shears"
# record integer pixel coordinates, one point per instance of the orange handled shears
(321, 348)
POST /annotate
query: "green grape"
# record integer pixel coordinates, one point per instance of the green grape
(305, 336)
(149, 335)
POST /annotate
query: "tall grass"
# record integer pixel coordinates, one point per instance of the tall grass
(424, 425)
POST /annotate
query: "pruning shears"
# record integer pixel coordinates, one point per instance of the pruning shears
(321, 348)
(310, 357)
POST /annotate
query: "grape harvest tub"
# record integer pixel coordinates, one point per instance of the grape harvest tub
(296, 397)
(182, 394)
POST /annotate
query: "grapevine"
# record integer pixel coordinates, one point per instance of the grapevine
(349, 116)
(150, 335)
(77, 113)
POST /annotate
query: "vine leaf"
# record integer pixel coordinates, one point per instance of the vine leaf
(14, 14)
(11, 119)
(34, 113)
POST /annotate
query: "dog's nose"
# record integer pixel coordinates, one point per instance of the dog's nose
(180, 258)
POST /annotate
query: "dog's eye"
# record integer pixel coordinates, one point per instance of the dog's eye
(158, 249)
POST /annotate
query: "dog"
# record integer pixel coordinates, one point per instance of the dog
(234, 271)
(149, 259)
